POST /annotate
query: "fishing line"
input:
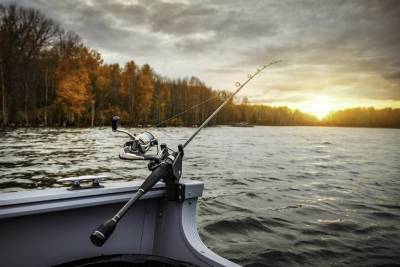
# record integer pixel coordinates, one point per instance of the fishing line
(186, 110)
(238, 84)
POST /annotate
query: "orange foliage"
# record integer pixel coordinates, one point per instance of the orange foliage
(144, 94)
(74, 92)
(69, 83)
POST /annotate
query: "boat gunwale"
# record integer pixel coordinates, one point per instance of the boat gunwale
(23, 203)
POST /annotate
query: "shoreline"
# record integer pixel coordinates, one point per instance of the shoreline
(187, 126)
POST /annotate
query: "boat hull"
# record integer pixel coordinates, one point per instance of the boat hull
(52, 227)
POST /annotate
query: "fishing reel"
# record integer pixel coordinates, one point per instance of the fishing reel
(138, 146)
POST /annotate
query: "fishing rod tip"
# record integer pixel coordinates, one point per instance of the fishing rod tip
(272, 63)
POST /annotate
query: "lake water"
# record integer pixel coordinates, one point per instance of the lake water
(274, 196)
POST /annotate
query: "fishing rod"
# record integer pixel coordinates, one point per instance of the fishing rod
(211, 98)
(165, 165)
(250, 77)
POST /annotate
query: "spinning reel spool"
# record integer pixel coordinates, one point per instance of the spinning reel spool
(138, 146)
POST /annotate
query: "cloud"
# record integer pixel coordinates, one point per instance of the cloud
(393, 76)
(344, 48)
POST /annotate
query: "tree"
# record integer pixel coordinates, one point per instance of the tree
(73, 94)
(24, 34)
(143, 95)
(128, 84)
(48, 76)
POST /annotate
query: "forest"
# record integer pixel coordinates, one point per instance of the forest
(48, 77)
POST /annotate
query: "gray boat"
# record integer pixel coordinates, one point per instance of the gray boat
(156, 225)
(51, 227)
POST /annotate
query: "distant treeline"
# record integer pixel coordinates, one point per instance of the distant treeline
(364, 117)
(49, 77)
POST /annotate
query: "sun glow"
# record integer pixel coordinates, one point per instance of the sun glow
(319, 106)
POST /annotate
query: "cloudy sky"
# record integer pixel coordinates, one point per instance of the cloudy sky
(335, 54)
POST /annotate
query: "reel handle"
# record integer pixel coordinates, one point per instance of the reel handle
(114, 123)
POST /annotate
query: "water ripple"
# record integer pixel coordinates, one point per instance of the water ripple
(274, 196)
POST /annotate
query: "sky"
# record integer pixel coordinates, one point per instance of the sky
(335, 54)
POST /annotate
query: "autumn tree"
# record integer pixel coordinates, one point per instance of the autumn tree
(49, 77)
(91, 61)
(129, 79)
(143, 95)
(73, 94)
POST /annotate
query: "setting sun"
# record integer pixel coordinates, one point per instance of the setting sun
(319, 106)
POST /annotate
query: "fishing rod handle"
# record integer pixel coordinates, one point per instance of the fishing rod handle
(161, 171)
(156, 175)
(105, 230)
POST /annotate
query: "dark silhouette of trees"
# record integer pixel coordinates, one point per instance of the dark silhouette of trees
(364, 117)
(24, 34)
(48, 77)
